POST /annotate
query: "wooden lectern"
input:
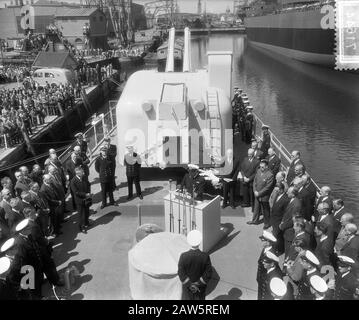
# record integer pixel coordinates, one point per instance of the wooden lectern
(183, 215)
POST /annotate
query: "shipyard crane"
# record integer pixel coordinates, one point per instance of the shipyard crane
(154, 8)
(120, 14)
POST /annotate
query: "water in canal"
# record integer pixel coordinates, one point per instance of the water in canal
(309, 108)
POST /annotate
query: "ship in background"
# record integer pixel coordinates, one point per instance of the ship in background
(299, 29)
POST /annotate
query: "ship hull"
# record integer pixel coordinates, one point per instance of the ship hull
(297, 35)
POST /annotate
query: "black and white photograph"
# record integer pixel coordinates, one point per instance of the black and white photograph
(190, 151)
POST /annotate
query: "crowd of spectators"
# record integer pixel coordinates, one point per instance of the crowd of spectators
(14, 73)
(26, 108)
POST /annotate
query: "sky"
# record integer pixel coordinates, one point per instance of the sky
(188, 6)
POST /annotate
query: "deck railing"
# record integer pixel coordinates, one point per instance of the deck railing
(282, 152)
(102, 127)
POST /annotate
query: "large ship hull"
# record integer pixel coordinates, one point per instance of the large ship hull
(295, 34)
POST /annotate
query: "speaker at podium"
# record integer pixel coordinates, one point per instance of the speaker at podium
(183, 214)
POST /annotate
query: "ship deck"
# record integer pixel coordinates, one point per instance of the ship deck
(101, 255)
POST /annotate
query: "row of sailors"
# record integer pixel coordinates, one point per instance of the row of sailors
(275, 283)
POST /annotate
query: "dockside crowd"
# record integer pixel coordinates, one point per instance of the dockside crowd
(26, 108)
(310, 240)
(13, 73)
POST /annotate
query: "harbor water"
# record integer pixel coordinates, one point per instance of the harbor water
(309, 108)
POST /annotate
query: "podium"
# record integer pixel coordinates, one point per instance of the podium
(183, 215)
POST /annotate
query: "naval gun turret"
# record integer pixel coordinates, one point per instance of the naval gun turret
(175, 118)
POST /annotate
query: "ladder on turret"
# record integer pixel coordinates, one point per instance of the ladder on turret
(214, 125)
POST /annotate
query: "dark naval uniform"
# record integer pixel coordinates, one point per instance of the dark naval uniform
(304, 292)
(105, 168)
(194, 184)
(132, 162)
(273, 272)
(345, 285)
(112, 153)
(79, 188)
(261, 272)
(266, 140)
(195, 267)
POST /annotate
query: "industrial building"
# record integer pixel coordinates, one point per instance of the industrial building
(70, 20)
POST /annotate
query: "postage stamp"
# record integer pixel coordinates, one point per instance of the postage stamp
(347, 34)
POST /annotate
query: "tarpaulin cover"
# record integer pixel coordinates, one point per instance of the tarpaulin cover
(153, 266)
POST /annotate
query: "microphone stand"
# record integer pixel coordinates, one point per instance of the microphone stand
(179, 213)
(171, 208)
(184, 222)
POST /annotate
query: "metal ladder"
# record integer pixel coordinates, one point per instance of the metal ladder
(214, 124)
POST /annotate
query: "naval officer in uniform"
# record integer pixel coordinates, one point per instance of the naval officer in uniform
(194, 268)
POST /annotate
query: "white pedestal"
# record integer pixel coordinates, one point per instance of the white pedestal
(203, 216)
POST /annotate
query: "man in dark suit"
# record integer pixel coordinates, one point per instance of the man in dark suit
(351, 246)
(36, 174)
(81, 142)
(104, 166)
(338, 211)
(324, 197)
(326, 217)
(262, 188)
(16, 214)
(194, 268)
(249, 167)
(277, 212)
(295, 160)
(70, 166)
(258, 154)
(306, 196)
(5, 202)
(293, 208)
(81, 190)
(41, 207)
(132, 162)
(112, 153)
(193, 183)
(228, 175)
(273, 161)
(54, 203)
(4, 228)
(324, 250)
(266, 140)
(59, 189)
(301, 239)
(21, 184)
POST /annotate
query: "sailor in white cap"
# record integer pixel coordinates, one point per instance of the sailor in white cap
(194, 268)
(193, 182)
(278, 288)
(346, 282)
(266, 140)
(318, 287)
(270, 263)
(269, 243)
(132, 162)
(310, 264)
(7, 291)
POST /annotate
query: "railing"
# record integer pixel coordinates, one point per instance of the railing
(282, 152)
(101, 128)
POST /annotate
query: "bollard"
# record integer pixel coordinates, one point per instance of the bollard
(70, 275)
